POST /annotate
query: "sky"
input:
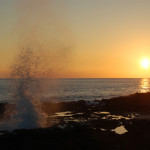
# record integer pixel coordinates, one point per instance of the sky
(107, 38)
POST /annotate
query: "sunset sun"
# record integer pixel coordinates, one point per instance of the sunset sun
(145, 63)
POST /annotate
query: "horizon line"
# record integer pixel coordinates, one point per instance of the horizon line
(85, 78)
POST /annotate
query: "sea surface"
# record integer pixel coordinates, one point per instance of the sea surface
(76, 89)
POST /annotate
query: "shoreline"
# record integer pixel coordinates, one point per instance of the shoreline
(116, 123)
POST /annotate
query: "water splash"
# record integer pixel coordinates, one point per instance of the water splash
(41, 29)
(26, 70)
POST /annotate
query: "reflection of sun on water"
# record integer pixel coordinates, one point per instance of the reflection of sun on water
(144, 86)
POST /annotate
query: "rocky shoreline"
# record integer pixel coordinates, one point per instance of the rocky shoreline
(117, 123)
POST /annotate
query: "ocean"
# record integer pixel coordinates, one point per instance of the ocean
(77, 89)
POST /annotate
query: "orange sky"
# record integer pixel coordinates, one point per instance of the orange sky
(107, 39)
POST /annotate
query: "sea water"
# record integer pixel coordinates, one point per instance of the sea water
(78, 89)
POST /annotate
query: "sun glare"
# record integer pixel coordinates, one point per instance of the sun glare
(145, 63)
